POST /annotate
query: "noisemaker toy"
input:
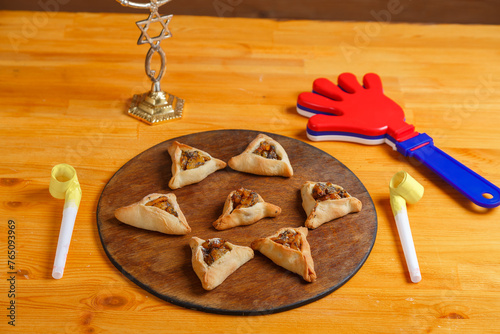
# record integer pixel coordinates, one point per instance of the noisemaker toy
(64, 185)
(402, 189)
(363, 114)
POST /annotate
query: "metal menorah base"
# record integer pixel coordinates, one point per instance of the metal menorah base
(156, 107)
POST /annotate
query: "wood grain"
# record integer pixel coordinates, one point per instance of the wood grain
(162, 264)
(425, 11)
(65, 87)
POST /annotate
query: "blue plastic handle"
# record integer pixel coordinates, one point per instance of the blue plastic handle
(472, 185)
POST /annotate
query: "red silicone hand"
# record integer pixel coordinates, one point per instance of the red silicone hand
(363, 110)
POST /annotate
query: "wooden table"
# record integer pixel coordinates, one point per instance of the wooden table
(66, 81)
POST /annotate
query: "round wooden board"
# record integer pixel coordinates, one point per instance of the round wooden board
(161, 264)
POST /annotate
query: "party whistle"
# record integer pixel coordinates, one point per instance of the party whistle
(404, 188)
(64, 185)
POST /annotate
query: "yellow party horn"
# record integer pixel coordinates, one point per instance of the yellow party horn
(404, 188)
(64, 185)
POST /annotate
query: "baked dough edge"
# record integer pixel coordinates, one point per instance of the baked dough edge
(180, 177)
(152, 218)
(249, 162)
(212, 276)
(322, 212)
(299, 262)
(244, 216)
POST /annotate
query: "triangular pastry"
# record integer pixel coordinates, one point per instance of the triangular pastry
(244, 207)
(190, 165)
(155, 212)
(263, 156)
(289, 249)
(324, 201)
(215, 259)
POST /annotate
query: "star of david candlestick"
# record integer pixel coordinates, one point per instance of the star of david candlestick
(156, 105)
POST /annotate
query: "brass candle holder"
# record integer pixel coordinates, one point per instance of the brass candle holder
(155, 106)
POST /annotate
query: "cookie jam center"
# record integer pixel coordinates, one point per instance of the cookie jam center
(267, 150)
(244, 198)
(326, 191)
(214, 249)
(289, 238)
(163, 203)
(193, 159)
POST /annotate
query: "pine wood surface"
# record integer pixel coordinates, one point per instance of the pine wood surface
(66, 81)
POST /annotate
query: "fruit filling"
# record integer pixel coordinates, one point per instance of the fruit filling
(267, 151)
(325, 191)
(214, 249)
(192, 159)
(244, 198)
(289, 238)
(163, 203)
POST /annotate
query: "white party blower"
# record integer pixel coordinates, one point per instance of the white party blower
(64, 185)
(404, 188)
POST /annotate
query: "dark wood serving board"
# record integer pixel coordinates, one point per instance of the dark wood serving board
(161, 264)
